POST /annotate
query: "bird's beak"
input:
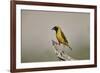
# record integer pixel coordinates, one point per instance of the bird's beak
(52, 29)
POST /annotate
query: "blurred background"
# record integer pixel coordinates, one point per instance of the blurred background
(37, 36)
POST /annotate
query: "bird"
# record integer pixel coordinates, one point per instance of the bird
(61, 37)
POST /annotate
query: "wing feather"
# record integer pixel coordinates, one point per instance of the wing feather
(62, 34)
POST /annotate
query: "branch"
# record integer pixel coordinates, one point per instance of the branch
(60, 52)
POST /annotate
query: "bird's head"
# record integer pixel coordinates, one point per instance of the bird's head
(55, 28)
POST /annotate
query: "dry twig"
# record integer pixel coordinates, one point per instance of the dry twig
(60, 52)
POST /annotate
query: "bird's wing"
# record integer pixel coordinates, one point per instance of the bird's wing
(64, 37)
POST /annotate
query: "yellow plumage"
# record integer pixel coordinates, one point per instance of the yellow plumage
(60, 36)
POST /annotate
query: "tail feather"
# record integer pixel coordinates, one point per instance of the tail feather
(68, 46)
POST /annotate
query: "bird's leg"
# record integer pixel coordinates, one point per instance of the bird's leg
(58, 42)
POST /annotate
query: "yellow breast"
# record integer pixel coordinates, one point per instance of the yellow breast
(59, 36)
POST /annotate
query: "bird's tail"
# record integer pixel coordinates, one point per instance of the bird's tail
(68, 46)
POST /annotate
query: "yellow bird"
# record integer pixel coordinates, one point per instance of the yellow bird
(61, 37)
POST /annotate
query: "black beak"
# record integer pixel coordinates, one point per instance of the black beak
(52, 29)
